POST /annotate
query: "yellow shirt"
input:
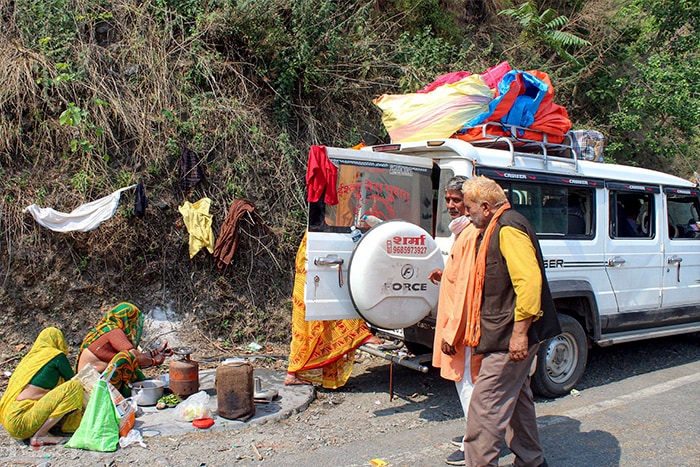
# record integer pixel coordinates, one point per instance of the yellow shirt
(524, 270)
(198, 222)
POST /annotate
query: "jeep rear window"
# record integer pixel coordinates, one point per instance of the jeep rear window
(683, 215)
(383, 190)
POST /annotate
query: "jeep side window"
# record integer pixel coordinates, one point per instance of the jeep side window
(579, 213)
(383, 190)
(631, 215)
(555, 211)
(683, 215)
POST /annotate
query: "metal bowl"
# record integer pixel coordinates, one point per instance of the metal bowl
(147, 392)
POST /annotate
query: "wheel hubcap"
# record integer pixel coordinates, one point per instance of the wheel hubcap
(561, 358)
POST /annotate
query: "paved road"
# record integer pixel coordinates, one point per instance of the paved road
(651, 419)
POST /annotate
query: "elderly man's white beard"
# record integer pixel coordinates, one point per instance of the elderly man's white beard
(458, 224)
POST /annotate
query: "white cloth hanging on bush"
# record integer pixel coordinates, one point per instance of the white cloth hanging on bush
(82, 219)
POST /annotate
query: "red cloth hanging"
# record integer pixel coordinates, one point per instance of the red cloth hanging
(321, 177)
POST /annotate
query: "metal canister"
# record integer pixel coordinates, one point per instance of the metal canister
(184, 375)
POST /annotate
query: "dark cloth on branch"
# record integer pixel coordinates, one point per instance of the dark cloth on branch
(227, 242)
(140, 201)
(190, 170)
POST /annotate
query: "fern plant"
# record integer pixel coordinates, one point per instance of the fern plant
(546, 27)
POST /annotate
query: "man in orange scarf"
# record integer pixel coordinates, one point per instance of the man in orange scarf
(510, 311)
(450, 353)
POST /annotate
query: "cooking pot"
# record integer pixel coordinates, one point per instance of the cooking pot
(148, 392)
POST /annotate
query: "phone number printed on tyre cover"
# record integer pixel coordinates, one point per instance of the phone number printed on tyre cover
(388, 274)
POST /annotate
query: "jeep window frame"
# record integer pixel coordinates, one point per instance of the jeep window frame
(678, 200)
(391, 190)
(557, 207)
(623, 200)
(442, 215)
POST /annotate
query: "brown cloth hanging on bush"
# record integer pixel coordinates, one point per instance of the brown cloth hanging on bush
(227, 243)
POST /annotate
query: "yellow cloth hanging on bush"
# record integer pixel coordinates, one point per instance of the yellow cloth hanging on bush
(435, 114)
(198, 222)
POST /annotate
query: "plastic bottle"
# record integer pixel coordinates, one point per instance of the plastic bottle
(355, 234)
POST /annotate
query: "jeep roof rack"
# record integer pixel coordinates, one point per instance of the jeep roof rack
(518, 146)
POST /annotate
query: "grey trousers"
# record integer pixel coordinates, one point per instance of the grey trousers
(502, 410)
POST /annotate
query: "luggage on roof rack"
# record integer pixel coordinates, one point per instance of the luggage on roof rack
(492, 136)
(588, 144)
(577, 144)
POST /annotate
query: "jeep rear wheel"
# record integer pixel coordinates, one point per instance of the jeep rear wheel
(561, 360)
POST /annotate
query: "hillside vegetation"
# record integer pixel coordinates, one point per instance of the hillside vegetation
(96, 95)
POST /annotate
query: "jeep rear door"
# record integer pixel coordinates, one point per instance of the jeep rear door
(384, 185)
(681, 281)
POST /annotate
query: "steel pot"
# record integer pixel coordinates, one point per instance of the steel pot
(148, 392)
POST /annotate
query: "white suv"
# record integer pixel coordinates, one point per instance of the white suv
(621, 244)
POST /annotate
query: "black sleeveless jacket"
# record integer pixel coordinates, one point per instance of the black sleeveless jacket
(498, 302)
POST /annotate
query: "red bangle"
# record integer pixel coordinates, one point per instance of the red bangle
(154, 362)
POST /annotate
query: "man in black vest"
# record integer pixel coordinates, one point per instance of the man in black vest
(510, 311)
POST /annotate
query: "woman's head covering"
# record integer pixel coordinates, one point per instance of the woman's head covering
(127, 317)
(49, 343)
(49, 339)
(124, 316)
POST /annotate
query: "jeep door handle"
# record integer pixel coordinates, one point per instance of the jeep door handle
(330, 260)
(677, 261)
(674, 260)
(616, 261)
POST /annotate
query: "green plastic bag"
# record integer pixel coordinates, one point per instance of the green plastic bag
(99, 428)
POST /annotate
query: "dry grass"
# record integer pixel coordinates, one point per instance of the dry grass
(141, 103)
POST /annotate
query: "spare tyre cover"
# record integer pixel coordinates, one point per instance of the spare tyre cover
(388, 274)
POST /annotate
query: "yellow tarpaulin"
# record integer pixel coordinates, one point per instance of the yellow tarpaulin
(435, 114)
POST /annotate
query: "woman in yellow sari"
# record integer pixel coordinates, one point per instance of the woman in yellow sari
(111, 347)
(41, 392)
(321, 352)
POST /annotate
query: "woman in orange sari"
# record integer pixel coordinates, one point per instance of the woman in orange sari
(321, 352)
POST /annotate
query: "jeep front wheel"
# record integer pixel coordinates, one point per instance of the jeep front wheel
(561, 360)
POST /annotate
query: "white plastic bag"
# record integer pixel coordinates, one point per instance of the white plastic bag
(134, 436)
(193, 407)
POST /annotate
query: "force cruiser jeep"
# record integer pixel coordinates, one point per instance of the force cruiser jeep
(621, 244)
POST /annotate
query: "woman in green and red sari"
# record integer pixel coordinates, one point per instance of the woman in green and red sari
(112, 348)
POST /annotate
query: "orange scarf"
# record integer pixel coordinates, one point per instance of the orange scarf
(476, 283)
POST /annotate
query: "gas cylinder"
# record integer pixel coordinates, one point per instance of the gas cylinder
(184, 374)
(235, 390)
